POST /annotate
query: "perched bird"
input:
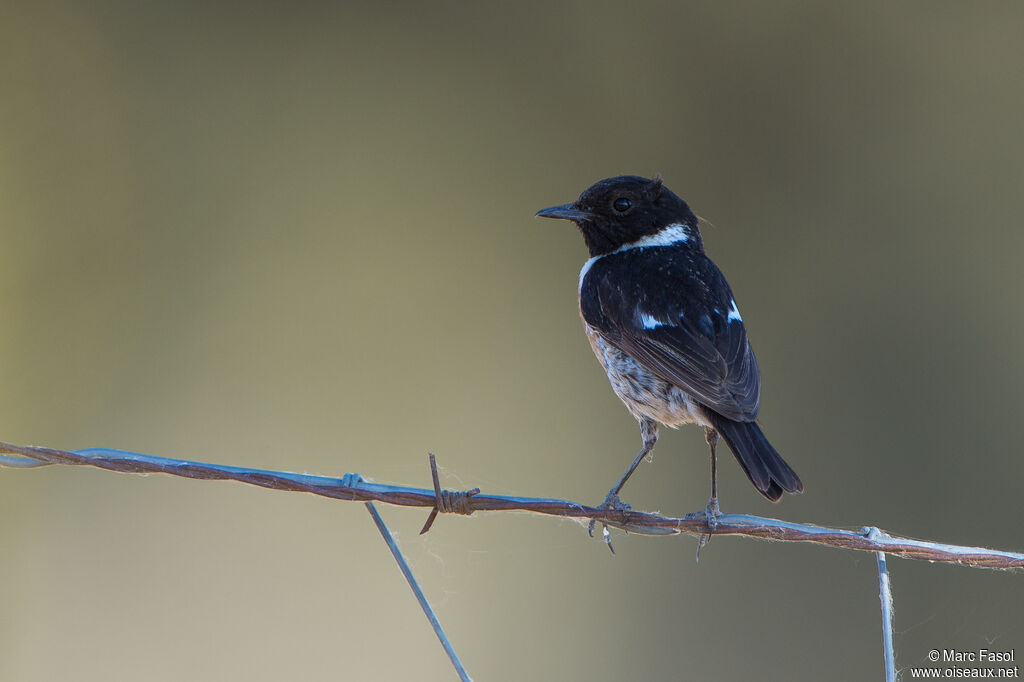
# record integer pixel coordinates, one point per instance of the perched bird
(663, 322)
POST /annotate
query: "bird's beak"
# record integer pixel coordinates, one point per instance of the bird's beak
(564, 212)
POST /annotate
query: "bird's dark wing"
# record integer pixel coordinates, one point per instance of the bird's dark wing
(673, 311)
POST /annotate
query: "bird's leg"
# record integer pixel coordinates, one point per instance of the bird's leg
(649, 433)
(712, 511)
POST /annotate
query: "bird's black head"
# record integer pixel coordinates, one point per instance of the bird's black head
(625, 209)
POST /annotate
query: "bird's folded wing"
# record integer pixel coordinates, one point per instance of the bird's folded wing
(682, 325)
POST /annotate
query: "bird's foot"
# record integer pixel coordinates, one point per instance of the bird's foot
(710, 515)
(611, 501)
(711, 512)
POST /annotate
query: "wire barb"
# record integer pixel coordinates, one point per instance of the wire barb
(447, 501)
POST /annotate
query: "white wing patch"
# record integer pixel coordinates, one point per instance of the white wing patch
(649, 322)
(734, 312)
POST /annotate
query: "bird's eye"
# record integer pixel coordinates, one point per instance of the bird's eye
(622, 204)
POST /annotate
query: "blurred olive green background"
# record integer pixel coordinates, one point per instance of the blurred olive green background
(301, 237)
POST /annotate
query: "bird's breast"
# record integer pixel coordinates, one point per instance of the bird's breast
(643, 393)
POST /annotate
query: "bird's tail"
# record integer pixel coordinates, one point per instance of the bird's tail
(764, 467)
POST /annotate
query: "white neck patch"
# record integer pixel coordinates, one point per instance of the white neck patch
(586, 269)
(676, 233)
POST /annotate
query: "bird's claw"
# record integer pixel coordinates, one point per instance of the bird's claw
(710, 514)
(611, 501)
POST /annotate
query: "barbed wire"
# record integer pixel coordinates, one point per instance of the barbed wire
(353, 488)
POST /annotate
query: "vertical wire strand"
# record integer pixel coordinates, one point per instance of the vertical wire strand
(885, 595)
(434, 623)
